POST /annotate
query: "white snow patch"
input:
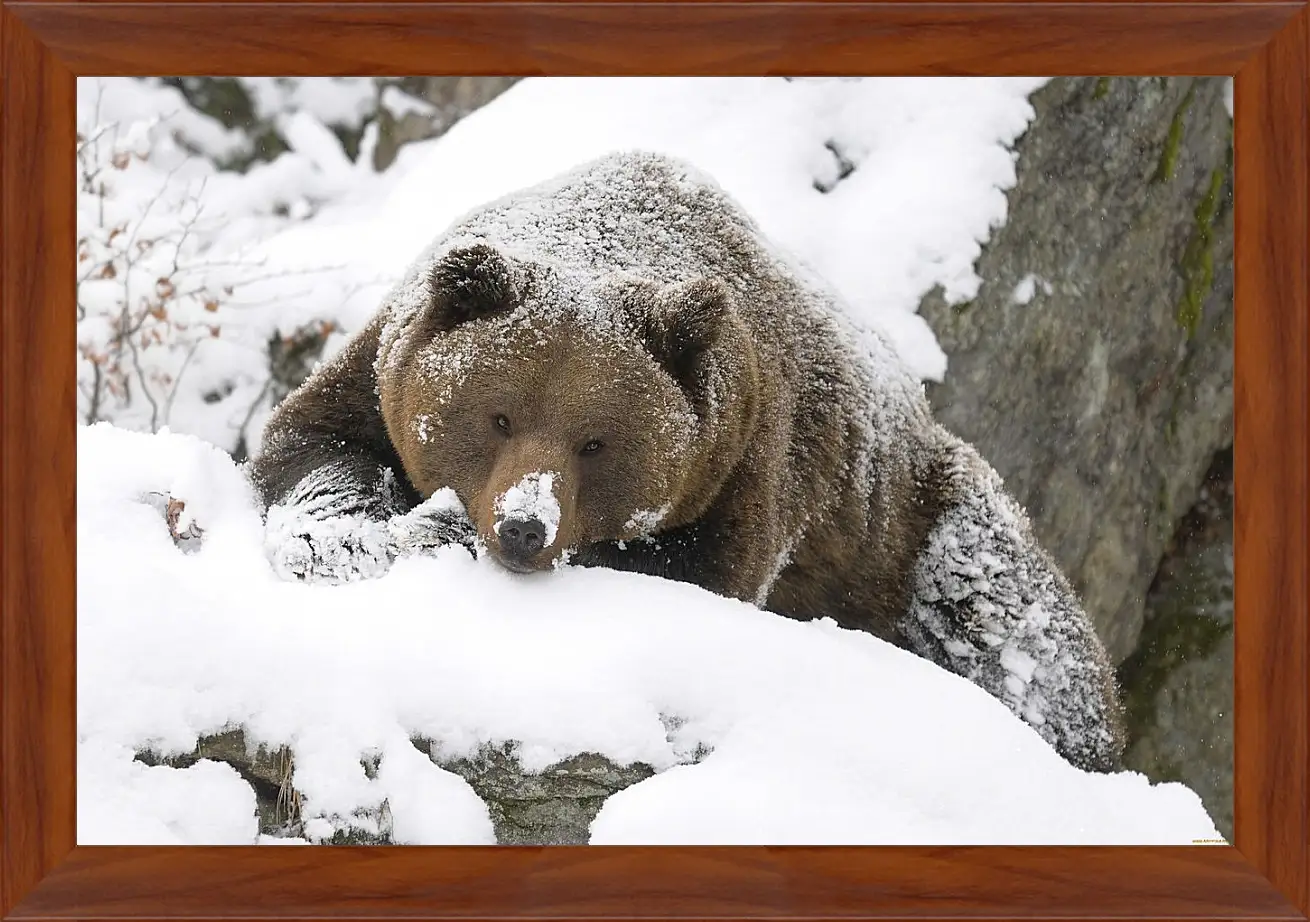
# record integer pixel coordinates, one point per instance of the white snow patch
(399, 103)
(124, 802)
(313, 140)
(1027, 288)
(345, 101)
(645, 521)
(533, 497)
(1019, 664)
(816, 734)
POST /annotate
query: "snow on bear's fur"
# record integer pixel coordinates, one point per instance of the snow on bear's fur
(627, 328)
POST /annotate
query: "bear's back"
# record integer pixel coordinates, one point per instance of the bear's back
(659, 218)
(642, 213)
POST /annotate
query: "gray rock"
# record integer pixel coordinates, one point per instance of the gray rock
(1178, 684)
(450, 99)
(268, 771)
(1102, 399)
(555, 807)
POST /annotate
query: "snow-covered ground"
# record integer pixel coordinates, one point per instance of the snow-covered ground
(886, 187)
(818, 735)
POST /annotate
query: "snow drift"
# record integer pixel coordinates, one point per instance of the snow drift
(815, 734)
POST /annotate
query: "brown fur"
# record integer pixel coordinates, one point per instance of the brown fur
(728, 396)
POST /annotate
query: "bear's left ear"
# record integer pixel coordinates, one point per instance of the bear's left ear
(467, 283)
(684, 324)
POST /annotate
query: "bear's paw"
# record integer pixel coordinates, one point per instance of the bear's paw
(337, 549)
(436, 522)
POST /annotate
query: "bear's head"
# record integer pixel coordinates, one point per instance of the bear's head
(566, 409)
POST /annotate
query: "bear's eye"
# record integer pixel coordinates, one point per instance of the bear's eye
(592, 447)
(502, 423)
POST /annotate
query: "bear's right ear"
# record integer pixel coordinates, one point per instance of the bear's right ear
(685, 323)
(467, 283)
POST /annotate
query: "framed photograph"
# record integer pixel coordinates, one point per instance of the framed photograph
(755, 460)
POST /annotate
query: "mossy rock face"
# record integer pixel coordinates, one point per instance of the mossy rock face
(1178, 684)
(1102, 399)
(1197, 266)
(1173, 141)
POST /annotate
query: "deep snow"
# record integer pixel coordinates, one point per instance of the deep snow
(818, 735)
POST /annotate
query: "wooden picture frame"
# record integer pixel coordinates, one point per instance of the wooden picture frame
(45, 46)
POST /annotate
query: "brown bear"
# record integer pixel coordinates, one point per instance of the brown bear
(615, 368)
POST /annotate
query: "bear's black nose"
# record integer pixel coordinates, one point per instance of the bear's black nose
(521, 538)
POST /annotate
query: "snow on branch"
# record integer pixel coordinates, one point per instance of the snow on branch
(174, 318)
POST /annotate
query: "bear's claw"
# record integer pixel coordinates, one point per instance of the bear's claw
(422, 529)
(339, 549)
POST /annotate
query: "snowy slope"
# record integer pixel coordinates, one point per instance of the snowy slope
(818, 735)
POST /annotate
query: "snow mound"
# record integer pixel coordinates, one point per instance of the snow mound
(815, 734)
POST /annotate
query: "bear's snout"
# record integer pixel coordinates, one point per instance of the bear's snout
(527, 520)
(521, 540)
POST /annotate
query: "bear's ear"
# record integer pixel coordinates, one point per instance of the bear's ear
(467, 283)
(685, 322)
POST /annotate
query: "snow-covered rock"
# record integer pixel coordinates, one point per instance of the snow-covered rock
(760, 729)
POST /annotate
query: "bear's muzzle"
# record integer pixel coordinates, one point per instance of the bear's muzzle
(520, 540)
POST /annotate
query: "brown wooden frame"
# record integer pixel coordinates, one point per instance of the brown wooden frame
(44, 46)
